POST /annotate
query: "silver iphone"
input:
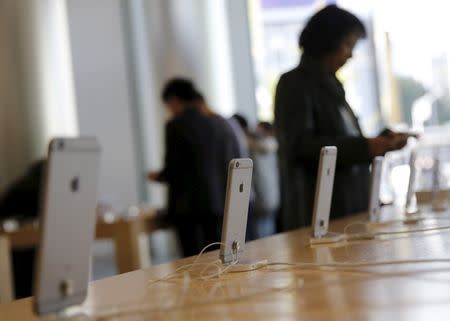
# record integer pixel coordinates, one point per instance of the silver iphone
(374, 190)
(236, 209)
(409, 207)
(324, 191)
(67, 221)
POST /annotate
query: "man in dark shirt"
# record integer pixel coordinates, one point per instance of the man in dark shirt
(199, 146)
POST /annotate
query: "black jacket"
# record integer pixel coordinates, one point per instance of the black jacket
(311, 112)
(198, 150)
(21, 198)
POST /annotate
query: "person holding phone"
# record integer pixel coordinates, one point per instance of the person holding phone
(311, 111)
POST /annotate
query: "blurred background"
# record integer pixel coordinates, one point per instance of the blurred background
(82, 67)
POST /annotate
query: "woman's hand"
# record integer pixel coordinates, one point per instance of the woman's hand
(380, 145)
(400, 140)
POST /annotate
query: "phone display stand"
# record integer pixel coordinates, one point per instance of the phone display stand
(73, 313)
(412, 210)
(329, 237)
(67, 222)
(237, 264)
(237, 200)
(411, 204)
(227, 259)
(374, 191)
(322, 198)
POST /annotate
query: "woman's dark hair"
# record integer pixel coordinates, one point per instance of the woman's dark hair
(325, 30)
(181, 88)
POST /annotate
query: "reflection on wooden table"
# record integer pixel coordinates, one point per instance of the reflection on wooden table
(402, 291)
(129, 234)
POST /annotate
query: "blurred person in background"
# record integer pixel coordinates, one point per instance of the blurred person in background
(263, 150)
(243, 135)
(21, 201)
(311, 111)
(198, 146)
(241, 131)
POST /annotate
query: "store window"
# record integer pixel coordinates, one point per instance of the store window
(275, 28)
(413, 54)
(399, 75)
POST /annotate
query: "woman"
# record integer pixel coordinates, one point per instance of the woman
(311, 111)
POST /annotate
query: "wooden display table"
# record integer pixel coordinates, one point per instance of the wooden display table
(412, 291)
(129, 234)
